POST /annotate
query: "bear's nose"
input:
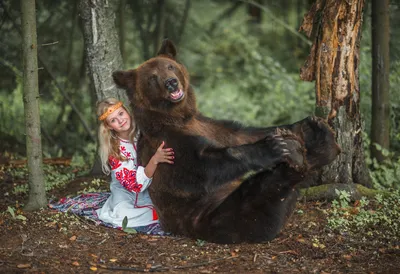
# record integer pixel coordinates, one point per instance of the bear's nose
(171, 84)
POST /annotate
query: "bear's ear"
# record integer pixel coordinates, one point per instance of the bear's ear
(167, 48)
(124, 79)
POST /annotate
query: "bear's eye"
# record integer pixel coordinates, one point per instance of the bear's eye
(171, 67)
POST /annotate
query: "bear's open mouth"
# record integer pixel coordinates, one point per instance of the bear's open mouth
(177, 95)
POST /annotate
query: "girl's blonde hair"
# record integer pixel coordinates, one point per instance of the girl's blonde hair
(108, 140)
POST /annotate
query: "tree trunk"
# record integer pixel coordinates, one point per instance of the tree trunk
(121, 27)
(333, 64)
(183, 22)
(37, 191)
(254, 12)
(225, 14)
(102, 51)
(160, 23)
(103, 55)
(380, 124)
(138, 10)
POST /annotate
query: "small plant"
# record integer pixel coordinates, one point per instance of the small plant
(15, 215)
(200, 242)
(55, 177)
(126, 229)
(386, 174)
(344, 197)
(96, 185)
(317, 244)
(378, 217)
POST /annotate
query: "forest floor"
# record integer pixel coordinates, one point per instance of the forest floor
(52, 242)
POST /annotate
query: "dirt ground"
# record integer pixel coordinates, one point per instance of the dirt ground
(53, 242)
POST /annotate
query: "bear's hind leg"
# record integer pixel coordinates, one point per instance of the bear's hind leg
(257, 210)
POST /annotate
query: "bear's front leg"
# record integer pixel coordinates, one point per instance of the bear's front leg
(227, 164)
(264, 154)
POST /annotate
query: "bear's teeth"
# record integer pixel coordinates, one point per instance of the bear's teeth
(176, 94)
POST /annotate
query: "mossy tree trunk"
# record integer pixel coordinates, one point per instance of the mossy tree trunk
(380, 126)
(37, 191)
(333, 64)
(103, 55)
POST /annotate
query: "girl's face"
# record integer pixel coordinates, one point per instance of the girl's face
(120, 122)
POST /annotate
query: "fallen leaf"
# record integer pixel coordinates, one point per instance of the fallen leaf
(73, 238)
(51, 224)
(347, 257)
(75, 263)
(93, 268)
(24, 265)
(113, 260)
(148, 266)
(301, 240)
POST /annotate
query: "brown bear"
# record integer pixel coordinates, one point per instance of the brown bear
(229, 183)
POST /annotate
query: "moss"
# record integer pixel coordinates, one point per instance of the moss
(327, 191)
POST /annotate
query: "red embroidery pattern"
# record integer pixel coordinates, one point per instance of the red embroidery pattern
(124, 152)
(114, 163)
(127, 178)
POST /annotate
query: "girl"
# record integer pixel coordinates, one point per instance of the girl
(129, 182)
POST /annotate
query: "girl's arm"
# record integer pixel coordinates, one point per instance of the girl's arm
(138, 179)
(162, 155)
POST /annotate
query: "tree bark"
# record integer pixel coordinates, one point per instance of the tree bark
(380, 124)
(333, 64)
(121, 27)
(102, 52)
(103, 55)
(37, 191)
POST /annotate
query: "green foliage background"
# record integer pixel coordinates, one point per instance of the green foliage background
(240, 71)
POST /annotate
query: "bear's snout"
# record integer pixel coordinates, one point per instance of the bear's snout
(171, 84)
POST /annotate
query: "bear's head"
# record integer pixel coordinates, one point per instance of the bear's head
(160, 84)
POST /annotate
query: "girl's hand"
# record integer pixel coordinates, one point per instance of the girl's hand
(163, 155)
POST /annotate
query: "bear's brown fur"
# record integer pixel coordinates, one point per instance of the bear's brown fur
(229, 183)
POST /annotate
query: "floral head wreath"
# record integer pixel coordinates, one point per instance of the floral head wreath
(110, 110)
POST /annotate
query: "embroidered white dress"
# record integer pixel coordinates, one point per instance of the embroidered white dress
(129, 191)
